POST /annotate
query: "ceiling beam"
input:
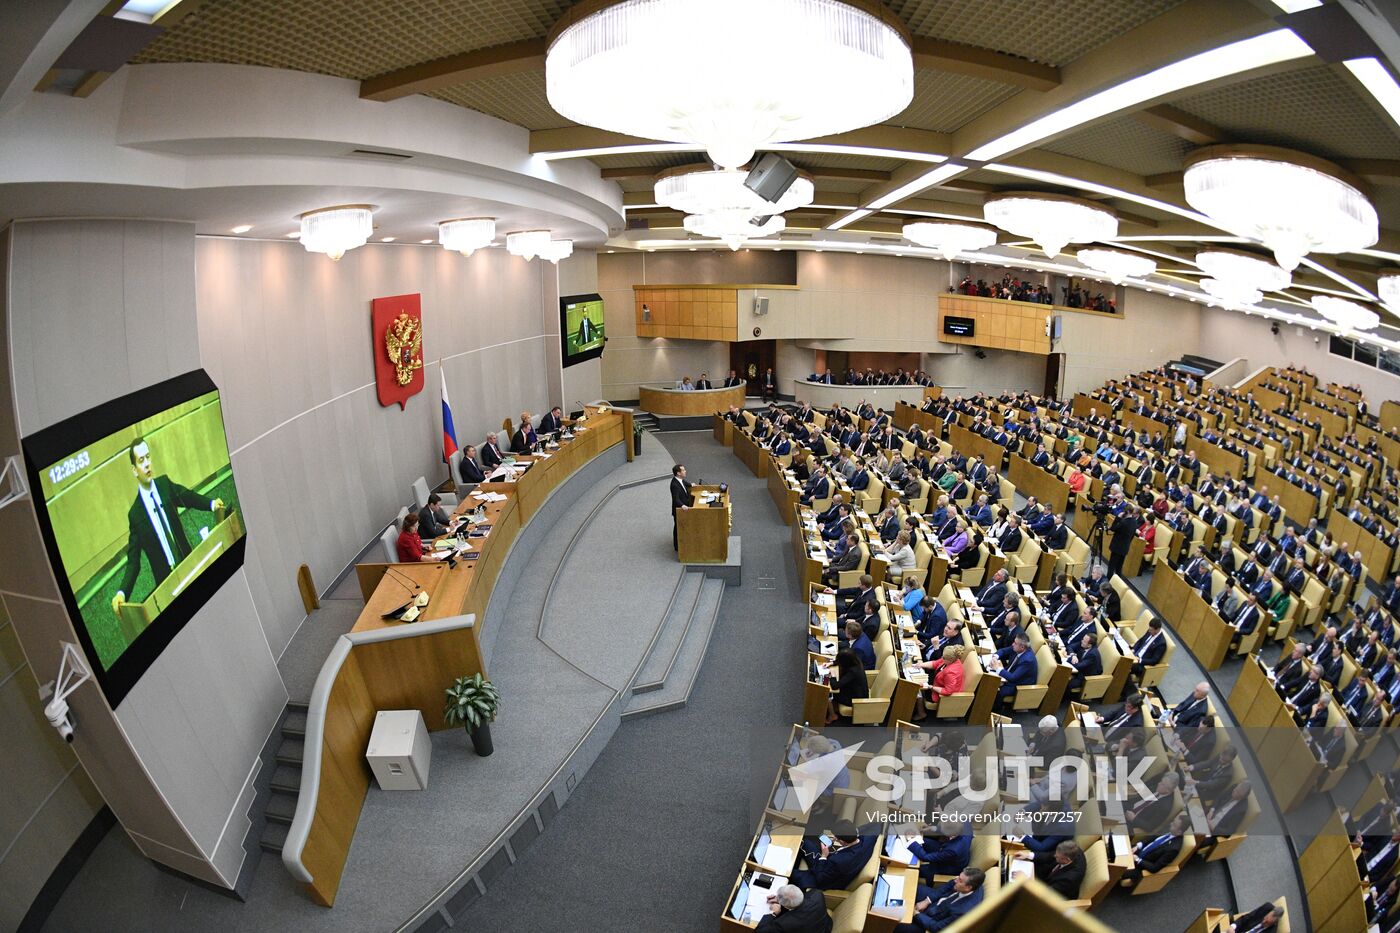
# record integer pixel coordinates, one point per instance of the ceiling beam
(938, 55)
(1377, 171)
(511, 58)
(898, 142)
(844, 174)
(1191, 128)
(1165, 180)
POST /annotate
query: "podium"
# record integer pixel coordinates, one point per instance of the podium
(135, 617)
(702, 531)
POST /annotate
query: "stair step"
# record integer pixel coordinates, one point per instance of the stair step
(689, 658)
(295, 723)
(274, 837)
(290, 751)
(297, 706)
(281, 807)
(662, 656)
(287, 777)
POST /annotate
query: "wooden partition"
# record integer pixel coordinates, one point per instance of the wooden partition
(1219, 460)
(1031, 480)
(1002, 325)
(1388, 445)
(1300, 504)
(1197, 625)
(1285, 759)
(970, 444)
(724, 430)
(1389, 415)
(1272, 399)
(1333, 424)
(1332, 882)
(750, 454)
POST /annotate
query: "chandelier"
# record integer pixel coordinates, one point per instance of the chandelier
(467, 235)
(1116, 264)
(1347, 315)
(729, 75)
(1050, 220)
(948, 240)
(1389, 287)
(556, 250)
(733, 227)
(1294, 204)
(1231, 293)
(527, 244)
(336, 230)
(1243, 271)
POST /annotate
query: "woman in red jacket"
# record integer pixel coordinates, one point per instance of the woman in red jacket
(1147, 531)
(946, 677)
(410, 545)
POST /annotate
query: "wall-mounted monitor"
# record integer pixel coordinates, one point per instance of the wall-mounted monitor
(581, 327)
(959, 326)
(139, 513)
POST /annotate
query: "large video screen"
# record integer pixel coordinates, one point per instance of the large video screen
(581, 326)
(139, 512)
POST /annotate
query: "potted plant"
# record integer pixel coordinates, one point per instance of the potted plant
(636, 440)
(472, 702)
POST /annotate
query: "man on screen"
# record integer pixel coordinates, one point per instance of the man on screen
(154, 521)
(585, 331)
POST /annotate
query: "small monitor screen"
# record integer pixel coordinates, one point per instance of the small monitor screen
(582, 328)
(140, 515)
(741, 901)
(959, 326)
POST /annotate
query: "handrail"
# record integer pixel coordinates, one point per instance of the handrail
(305, 815)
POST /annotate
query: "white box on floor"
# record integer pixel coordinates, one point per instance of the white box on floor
(399, 751)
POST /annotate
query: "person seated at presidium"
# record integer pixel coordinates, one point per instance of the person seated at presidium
(433, 518)
(468, 470)
(525, 440)
(153, 521)
(552, 423)
(491, 455)
(410, 544)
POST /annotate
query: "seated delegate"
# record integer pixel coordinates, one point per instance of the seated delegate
(410, 545)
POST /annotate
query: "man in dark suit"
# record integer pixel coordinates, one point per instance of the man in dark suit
(732, 380)
(994, 593)
(835, 866)
(469, 471)
(1150, 648)
(1144, 815)
(795, 912)
(432, 518)
(1122, 531)
(1018, 667)
(153, 521)
(770, 384)
(491, 455)
(1152, 855)
(524, 439)
(939, 908)
(1062, 870)
(1258, 920)
(704, 382)
(553, 422)
(680, 499)
(1192, 709)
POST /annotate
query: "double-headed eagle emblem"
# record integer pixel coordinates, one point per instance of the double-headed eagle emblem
(404, 342)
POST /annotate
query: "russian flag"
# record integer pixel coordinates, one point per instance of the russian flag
(449, 430)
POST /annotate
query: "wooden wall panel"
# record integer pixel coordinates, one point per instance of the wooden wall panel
(1001, 325)
(689, 312)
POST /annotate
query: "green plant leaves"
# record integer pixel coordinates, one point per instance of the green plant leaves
(471, 701)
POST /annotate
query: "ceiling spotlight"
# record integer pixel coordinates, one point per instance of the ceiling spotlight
(1295, 204)
(242, 228)
(527, 244)
(1116, 264)
(467, 235)
(1347, 315)
(948, 240)
(781, 70)
(1050, 220)
(336, 230)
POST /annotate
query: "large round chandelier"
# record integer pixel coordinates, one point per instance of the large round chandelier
(733, 227)
(729, 75)
(1293, 203)
(556, 250)
(1389, 287)
(527, 244)
(467, 235)
(709, 191)
(336, 230)
(1231, 293)
(1347, 315)
(949, 240)
(1050, 220)
(1243, 271)
(1116, 264)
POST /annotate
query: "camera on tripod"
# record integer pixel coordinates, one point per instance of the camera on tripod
(1101, 508)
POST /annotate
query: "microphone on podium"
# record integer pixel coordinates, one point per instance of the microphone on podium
(416, 601)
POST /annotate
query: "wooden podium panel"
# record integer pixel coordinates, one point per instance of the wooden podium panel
(135, 617)
(703, 531)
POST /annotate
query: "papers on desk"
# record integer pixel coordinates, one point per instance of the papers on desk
(828, 648)
(705, 498)
(489, 496)
(1022, 866)
(897, 848)
(825, 600)
(778, 858)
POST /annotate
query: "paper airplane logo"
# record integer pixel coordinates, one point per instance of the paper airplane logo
(811, 778)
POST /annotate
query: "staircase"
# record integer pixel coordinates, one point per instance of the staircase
(646, 420)
(667, 673)
(286, 779)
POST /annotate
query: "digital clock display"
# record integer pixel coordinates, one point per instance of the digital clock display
(70, 467)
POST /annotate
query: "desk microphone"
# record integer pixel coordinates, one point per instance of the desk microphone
(399, 577)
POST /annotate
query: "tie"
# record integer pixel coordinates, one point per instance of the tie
(165, 524)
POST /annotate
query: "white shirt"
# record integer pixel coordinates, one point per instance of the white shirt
(151, 499)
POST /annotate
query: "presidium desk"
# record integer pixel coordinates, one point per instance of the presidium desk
(393, 665)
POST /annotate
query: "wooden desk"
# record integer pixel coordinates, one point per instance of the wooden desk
(703, 531)
(784, 496)
(724, 430)
(660, 400)
(1031, 480)
(750, 454)
(1285, 759)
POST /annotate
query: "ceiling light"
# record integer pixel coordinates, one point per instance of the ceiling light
(335, 230)
(555, 250)
(466, 235)
(425, 242)
(1051, 220)
(1389, 287)
(1232, 293)
(1281, 45)
(924, 181)
(948, 240)
(1378, 83)
(733, 227)
(1243, 271)
(1347, 315)
(527, 244)
(387, 239)
(1068, 181)
(879, 152)
(801, 69)
(850, 218)
(1116, 264)
(709, 191)
(242, 228)
(1292, 203)
(1293, 6)
(294, 235)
